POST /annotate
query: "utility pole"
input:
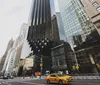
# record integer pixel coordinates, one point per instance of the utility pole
(41, 64)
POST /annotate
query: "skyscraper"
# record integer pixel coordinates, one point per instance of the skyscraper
(57, 30)
(77, 26)
(59, 22)
(39, 33)
(62, 54)
(94, 14)
(15, 53)
(9, 46)
(40, 20)
(92, 7)
(74, 19)
(70, 20)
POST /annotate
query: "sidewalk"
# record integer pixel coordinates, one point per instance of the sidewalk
(86, 77)
(25, 78)
(74, 77)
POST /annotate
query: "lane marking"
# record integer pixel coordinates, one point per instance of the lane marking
(9, 84)
(31, 83)
(3, 82)
(93, 83)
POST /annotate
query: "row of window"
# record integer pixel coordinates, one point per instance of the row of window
(96, 4)
(59, 62)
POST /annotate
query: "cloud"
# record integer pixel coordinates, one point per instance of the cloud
(13, 13)
(52, 6)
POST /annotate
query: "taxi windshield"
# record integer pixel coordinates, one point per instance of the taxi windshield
(60, 75)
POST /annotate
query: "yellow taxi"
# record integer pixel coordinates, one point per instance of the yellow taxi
(58, 78)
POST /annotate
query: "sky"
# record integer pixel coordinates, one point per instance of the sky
(13, 13)
(52, 6)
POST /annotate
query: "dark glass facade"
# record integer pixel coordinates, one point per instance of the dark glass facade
(39, 33)
(40, 20)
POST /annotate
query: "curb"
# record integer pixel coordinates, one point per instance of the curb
(86, 77)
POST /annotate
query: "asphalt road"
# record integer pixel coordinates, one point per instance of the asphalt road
(43, 82)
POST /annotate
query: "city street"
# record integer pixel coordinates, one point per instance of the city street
(43, 82)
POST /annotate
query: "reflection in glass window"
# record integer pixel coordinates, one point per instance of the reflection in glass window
(95, 4)
(62, 62)
(98, 9)
(91, 0)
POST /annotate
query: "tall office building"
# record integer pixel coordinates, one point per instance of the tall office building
(57, 30)
(77, 26)
(7, 60)
(92, 7)
(0, 59)
(59, 22)
(40, 20)
(26, 49)
(62, 54)
(69, 18)
(20, 49)
(9, 46)
(39, 33)
(75, 20)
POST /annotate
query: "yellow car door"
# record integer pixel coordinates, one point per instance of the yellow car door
(55, 78)
(51, 78)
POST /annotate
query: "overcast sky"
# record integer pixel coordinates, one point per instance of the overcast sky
(13, 13)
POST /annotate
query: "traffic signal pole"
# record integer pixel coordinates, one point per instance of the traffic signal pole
(41, 65)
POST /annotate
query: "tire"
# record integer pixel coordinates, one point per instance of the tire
(48, 81)
(60, 82)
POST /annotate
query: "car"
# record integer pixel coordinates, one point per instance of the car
(1, 77)
(10, 77)
(5, 77)
(58, 78)
(69, 78)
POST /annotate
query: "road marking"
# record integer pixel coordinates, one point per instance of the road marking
(92, 83)
(31, 83)
(3, 82)
(9, 84)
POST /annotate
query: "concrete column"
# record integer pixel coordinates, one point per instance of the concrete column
(93, 64)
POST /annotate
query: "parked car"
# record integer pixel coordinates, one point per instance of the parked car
(7, 76)
(1, 77)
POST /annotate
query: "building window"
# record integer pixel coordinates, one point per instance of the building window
(91, 0)
(62, 62)
(53, 76)
(95, 4)
(98, 25)
(98, 9)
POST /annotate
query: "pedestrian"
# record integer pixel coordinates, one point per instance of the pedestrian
(39, 75)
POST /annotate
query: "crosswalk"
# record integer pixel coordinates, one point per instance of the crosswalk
(4, 82)
(15, 80)
(21, 79)
(86, 77)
